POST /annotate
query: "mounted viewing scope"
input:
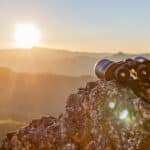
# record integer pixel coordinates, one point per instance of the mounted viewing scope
(134, 73)
(109, 70)
(123, 71)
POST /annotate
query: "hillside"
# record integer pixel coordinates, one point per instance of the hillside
(24, 96)
(41, 60)
(25, 93)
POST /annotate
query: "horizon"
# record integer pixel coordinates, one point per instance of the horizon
(73, 51)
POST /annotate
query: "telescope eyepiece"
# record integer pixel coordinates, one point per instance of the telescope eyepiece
(103, 69)
(143, 72)
(122, 74)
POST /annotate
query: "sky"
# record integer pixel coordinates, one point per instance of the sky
(81, 25)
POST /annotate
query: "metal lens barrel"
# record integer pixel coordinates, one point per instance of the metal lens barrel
(104, 69)
(140, 59)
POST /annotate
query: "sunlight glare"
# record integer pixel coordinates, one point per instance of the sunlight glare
(26, 36)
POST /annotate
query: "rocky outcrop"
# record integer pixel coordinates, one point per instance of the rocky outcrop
(101, 116)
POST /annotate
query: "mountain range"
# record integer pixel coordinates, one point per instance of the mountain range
(61, 62)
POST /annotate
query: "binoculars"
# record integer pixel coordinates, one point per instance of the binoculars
(133, 72)
(130, 69)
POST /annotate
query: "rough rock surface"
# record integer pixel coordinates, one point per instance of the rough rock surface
(101, 116)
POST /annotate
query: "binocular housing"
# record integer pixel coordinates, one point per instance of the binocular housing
(137, 68)
(134, 73)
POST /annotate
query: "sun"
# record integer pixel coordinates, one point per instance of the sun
(26, 36)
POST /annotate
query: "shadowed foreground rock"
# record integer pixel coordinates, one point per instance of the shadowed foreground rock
(102, 116)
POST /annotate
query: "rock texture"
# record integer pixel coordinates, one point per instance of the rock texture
(101, 116)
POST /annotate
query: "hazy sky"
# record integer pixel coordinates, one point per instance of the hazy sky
(86, 25)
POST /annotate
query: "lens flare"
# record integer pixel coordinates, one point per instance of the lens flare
(124, 114)
(112, 105)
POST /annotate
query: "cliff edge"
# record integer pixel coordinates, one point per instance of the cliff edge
(101, 116)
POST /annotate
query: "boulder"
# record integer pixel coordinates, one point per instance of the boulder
(101, 116)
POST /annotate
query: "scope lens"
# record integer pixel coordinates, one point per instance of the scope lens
(143, 72)
(122, 74)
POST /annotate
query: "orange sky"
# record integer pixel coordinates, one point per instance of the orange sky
(93, 26)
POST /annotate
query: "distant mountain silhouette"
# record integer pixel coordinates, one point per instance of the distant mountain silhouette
(42, 60)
